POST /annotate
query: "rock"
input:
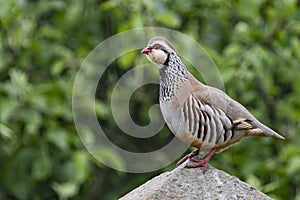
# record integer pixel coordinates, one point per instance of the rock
(191, 183)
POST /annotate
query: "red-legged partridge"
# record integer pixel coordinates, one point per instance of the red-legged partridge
(199, 115)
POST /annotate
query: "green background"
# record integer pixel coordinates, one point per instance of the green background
(255, 45)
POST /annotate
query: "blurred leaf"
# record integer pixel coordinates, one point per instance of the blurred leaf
(58, 67)
(233, 49)
(249, 9)
(271, 186)
(108, 5)
(20, 85)
(33, 123)
(254, 181)
(168, 18)
(81, 166)
(293, 167)
(110, 157)
(20, 187)
(8, 108)
(65, 190)
(41, 167)
(59, 139)
(126, 60)
(6, 132)
(295, 45)
(102, 110)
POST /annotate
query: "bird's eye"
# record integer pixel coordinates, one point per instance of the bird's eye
(157, 46)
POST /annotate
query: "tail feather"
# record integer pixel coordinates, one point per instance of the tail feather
(269, 132)
(259, 129)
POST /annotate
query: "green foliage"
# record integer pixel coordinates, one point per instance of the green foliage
(42, 44)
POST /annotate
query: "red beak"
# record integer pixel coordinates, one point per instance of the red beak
(146, 50)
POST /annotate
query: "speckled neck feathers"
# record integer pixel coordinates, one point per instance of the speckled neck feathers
(172, 75)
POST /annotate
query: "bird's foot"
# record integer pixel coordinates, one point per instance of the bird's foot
(198, 163)
(190, 155)
(201, 162)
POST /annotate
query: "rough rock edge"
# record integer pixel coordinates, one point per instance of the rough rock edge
(183, 183)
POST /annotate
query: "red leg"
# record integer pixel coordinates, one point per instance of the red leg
(192, 154)
(203, 162)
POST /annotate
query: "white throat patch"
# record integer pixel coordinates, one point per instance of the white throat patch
(157, 57)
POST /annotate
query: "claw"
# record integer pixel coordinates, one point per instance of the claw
(201, 162)
(198, 163)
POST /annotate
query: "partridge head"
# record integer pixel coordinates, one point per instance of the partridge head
(158, 50)
(199, 115)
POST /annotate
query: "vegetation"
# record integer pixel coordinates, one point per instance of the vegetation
(255, 44)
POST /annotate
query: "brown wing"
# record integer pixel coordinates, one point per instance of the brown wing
(218, 99)
(211, 127)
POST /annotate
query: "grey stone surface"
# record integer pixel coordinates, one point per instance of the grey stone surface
(184, 183)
